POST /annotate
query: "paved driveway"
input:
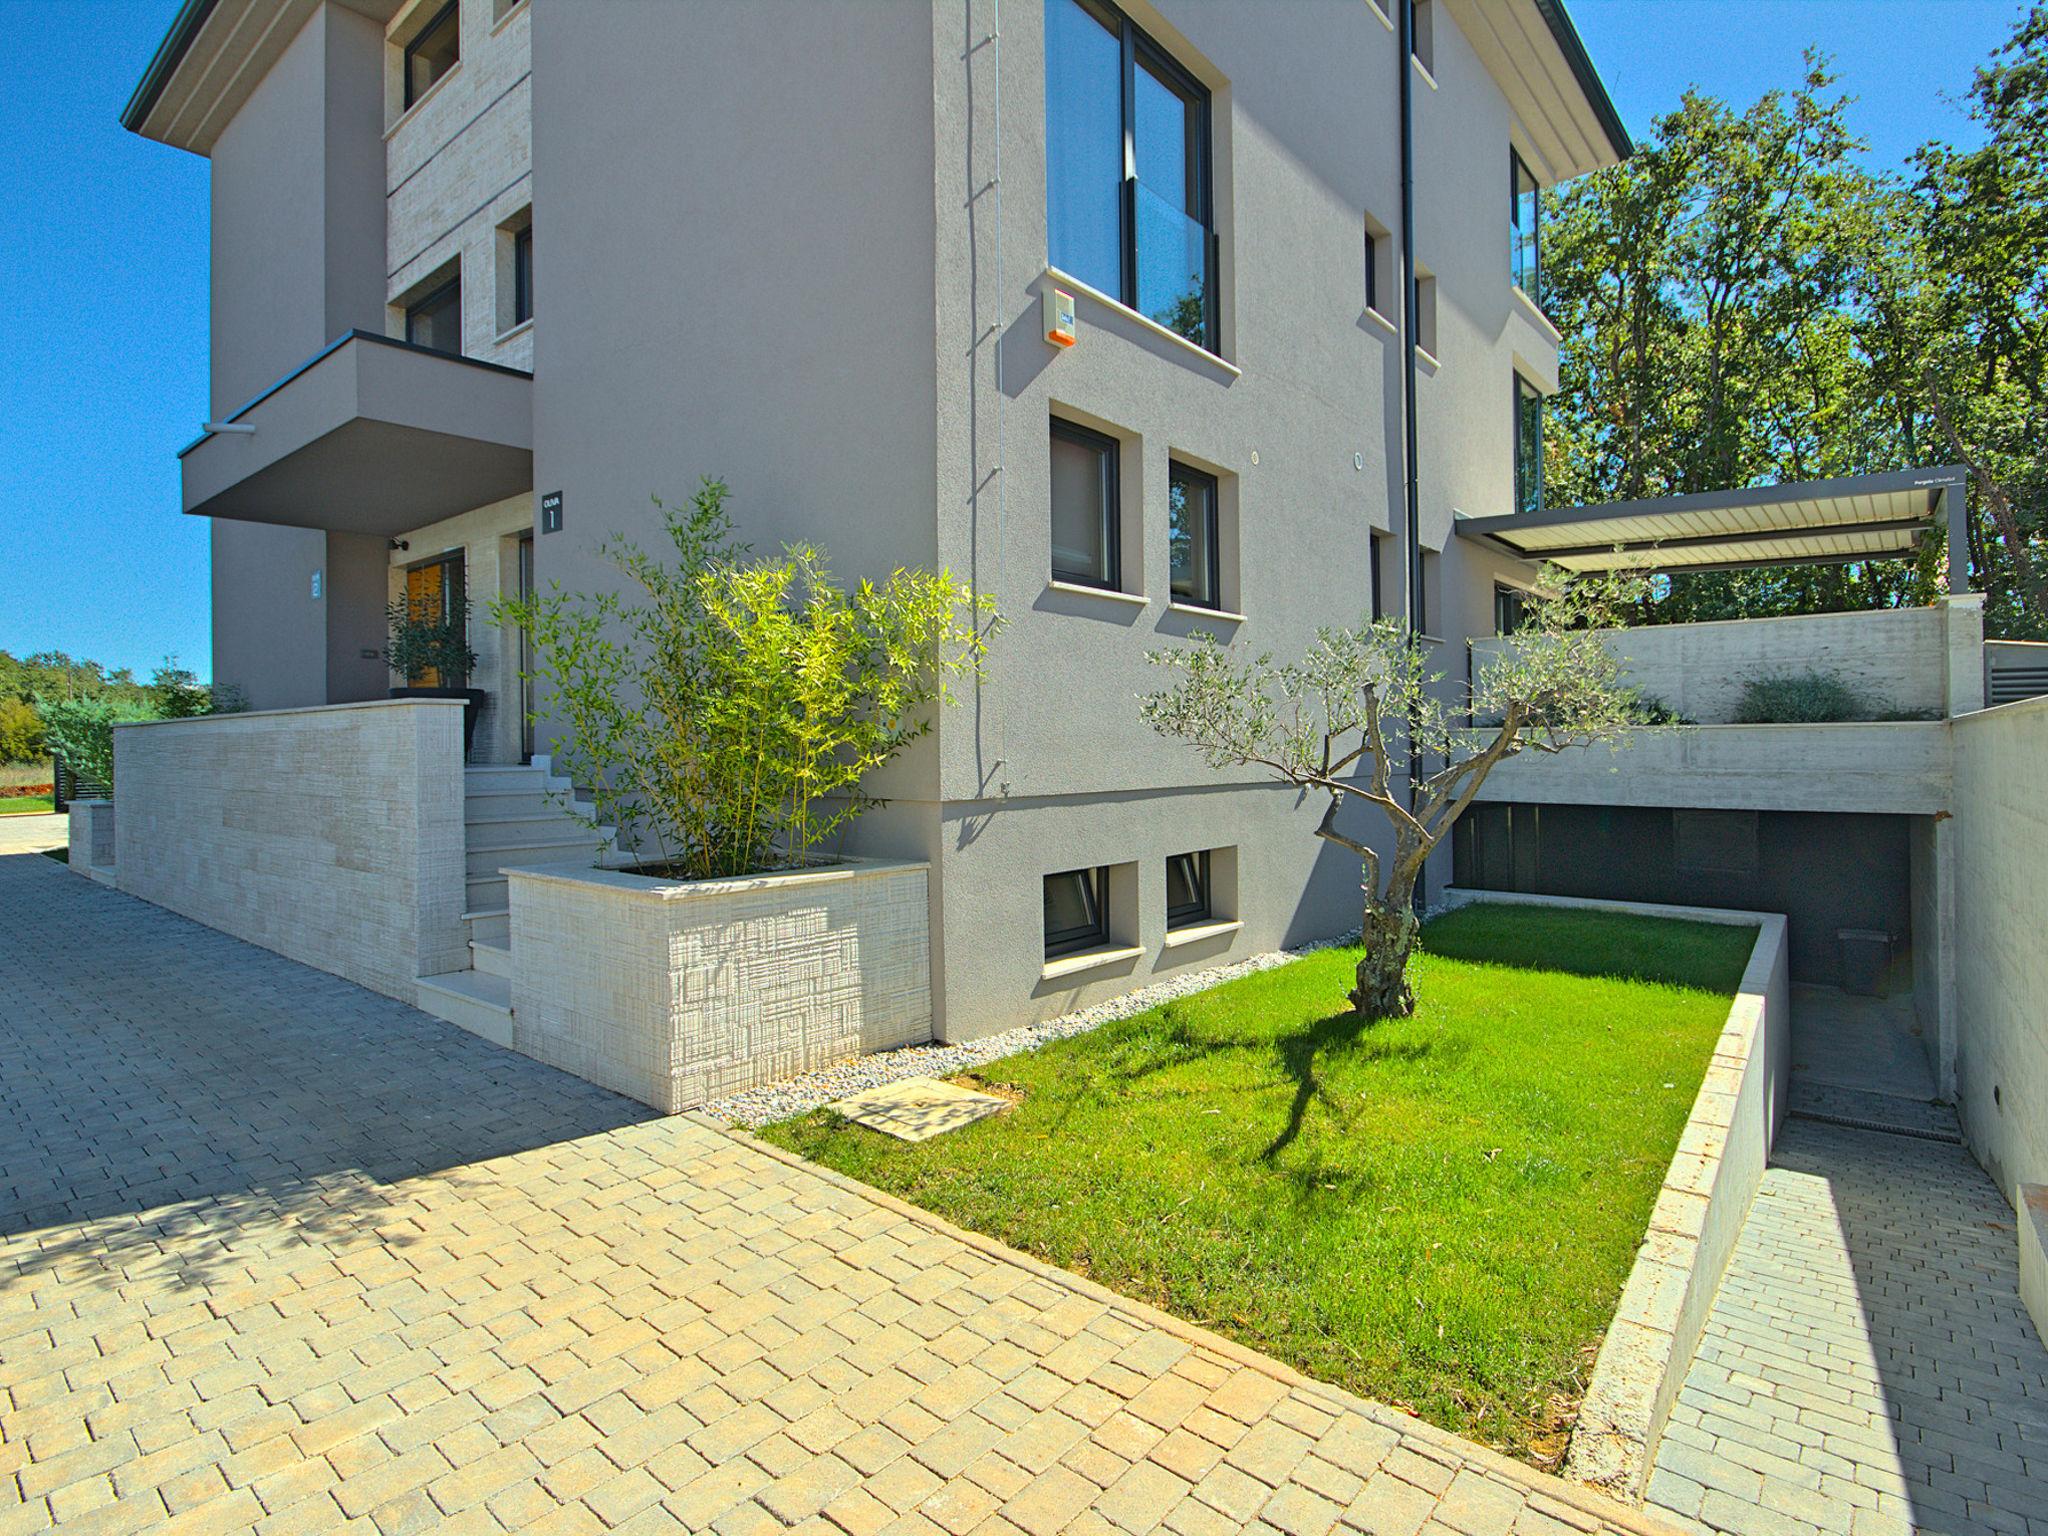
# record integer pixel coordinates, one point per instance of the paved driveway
(278, 1253)
(1867, 1367)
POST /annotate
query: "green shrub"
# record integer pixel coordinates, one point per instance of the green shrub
(1802, 698)
(426, 642)
(728, 711)
(21, 732)
(1650, 709)
(80, 732)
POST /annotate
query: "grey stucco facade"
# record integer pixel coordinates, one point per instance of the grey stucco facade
(802, 247)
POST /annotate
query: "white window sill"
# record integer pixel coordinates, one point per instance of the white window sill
(505, 20)
(1535, 313)
(1194, 933)
(514, 334)
(1383, 321)
(1423, 70)
(1089, 960)
(1107, 594)
(1427, 359)
(1222, 615)
(1142, 321)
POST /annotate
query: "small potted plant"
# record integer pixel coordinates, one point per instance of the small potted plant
(430, 650)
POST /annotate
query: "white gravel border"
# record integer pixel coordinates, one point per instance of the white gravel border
(800, 1095)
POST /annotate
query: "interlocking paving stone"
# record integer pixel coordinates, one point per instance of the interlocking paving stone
(1867, 1367)
(277, 1253)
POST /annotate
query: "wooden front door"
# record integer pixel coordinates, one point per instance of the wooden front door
(434, 592)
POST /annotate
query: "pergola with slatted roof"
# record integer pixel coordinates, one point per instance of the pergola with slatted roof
(1819, 522)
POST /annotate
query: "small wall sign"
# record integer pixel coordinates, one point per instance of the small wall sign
(316, 586)
(551, 512)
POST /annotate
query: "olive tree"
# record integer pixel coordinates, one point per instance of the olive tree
(1363, 716)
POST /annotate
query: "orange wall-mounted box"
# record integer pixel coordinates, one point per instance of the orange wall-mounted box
(1059, 316)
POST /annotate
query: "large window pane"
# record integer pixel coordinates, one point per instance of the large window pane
(1084, 506)
(1073, 910)
(1137, 228)
(1525, 212)
(432, 53)
(1191, 535)
(436, 320)
(1528, 446)
(1084, 149)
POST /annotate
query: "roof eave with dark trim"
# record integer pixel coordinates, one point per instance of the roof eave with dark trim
(1566, 36)
(170, 53)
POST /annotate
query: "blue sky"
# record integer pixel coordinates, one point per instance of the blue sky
(103, 285)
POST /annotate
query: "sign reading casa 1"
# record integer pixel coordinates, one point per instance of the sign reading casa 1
(551, 512)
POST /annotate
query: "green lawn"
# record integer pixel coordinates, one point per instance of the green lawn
(1437, 1212)
(25, 805)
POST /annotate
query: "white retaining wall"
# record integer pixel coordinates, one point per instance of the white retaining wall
(2001, 933)
(679, 992)
(332, 835)
(1707, 1191)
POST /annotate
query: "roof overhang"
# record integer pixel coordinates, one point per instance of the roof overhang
(371, 436)
(211, 60)
(1534, 54)
(1855, 518)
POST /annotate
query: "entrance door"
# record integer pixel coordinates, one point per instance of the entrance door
(434, 591)
(525, 654)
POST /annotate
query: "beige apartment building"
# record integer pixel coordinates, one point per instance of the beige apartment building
(472, 257)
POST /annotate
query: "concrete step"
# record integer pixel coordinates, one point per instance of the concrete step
(488, 893)
(490, 804)
(523, 831)
(477, 775)
(491, 959)
(490, 925)
(471, 1000)
(488, 861)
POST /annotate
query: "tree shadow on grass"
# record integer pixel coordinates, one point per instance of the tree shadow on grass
(1301, 1052)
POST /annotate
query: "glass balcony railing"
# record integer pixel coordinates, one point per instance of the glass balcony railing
(1175, 269)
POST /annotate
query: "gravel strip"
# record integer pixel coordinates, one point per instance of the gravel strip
(800, 1095)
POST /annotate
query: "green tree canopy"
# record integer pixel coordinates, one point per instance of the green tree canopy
(1743, 302)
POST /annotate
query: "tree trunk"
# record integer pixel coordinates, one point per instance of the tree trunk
(1389, 935)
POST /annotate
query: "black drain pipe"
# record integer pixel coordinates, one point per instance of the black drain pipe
(1410, 319)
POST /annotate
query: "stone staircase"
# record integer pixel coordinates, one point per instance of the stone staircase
(508, 819)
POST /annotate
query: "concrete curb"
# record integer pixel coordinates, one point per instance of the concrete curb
(1707, 1191)
(1587, 1503)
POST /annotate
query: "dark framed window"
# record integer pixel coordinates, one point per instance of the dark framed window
(434, 50)
(1085, 507)
(1528, 446)
(1076, 910)
(435, 319)
(1525, 229)
(1129, 208)
(1510, 609)
(522, 276)
(1187, 889)
(1191, 537)
(1376, 544)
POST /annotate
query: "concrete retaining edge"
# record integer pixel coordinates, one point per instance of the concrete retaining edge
(1699, 1212)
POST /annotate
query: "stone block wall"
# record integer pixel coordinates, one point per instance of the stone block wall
(2000, 827)
(677, 993)
(332, 835)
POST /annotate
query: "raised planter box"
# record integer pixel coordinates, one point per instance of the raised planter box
(1713, 1177)
(676, 993)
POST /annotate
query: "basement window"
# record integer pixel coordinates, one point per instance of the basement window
(1187, 890)
(1076, 911)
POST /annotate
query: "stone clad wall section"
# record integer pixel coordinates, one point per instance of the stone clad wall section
(679, 993)
(332, 835)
